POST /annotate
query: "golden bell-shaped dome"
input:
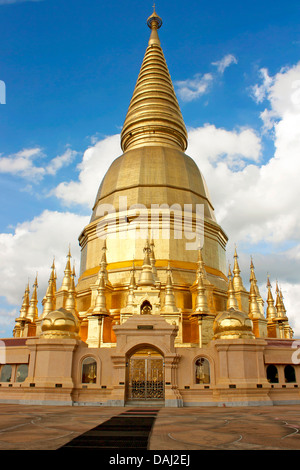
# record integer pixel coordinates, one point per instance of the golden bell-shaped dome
(60, 324)
(232, 324)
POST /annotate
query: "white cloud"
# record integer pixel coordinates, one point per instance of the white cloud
(22, 163)
(225, 62)
(96, 161)
(191, 89)
(31, 249)
(260, 92)
(60, 161)
(233, 148)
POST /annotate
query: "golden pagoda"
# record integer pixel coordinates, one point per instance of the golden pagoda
(153, 303)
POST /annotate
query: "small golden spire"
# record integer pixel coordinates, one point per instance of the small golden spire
(71, 304)
(254, 310)
(132, 277)
(153, 260)
(258, 296)
(103, 265)
(25, 303)
(201, 306)
(231, 300)
(170, 303)
(49, 301)
(237, 280)
(147, 278)
(200, 265)
(132, 286)
(100, 304)
(281, 312)
(271, 310)
(32, 314)
(54, 276)
(68, 271)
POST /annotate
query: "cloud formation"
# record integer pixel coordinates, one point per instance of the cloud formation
(192, 88)
(225, 62)
(31, 247)
(23, 163)
(95, 163)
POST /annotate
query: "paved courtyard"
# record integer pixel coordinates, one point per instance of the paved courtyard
(26, 427)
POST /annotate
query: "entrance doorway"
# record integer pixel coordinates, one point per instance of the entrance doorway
(145, 375)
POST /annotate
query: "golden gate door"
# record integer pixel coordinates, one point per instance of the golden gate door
(145, 378)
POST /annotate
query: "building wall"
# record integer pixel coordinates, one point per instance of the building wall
(238, 372)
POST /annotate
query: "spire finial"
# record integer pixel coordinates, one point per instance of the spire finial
(147, 277)
(154, 21)
(237, 280)
(231, 299)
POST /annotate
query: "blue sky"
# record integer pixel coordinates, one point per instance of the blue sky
(70, 68)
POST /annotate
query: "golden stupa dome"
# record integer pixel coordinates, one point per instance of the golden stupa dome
(233, 324)
(152, 174)
(60, 323)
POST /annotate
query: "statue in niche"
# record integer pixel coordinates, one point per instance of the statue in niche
(146, 308)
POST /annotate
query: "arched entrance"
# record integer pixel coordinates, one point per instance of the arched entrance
(145, 375)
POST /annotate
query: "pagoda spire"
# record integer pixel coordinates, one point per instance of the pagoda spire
(254, 310)
(201, 310)
(237, 280)
(132, 286)
(53, 276)
(271, 309)
(147, 277)
(100, 304)
(153, 260)
(49, 301)
(200, 266)
(103, 262)
(231, 300)
(66, 283)
(170, 302)
(21, 319)
(25, 303)
(279, 307)
(201, 306)
(32, 313)
(258, 296)
(154, 116)
(71, 299)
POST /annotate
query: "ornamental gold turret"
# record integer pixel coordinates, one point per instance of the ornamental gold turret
(154, 116)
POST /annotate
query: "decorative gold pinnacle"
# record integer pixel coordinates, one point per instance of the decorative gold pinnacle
(231, 300)
(147, 278)
(71, 304)
(154, 116)
(201, 306)
(67, 273)
(237, 280)
(271, 311)
(254, 310)
(170, 303)
(25, 303)
(32, 314)
(100, 304)
(49, 301)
